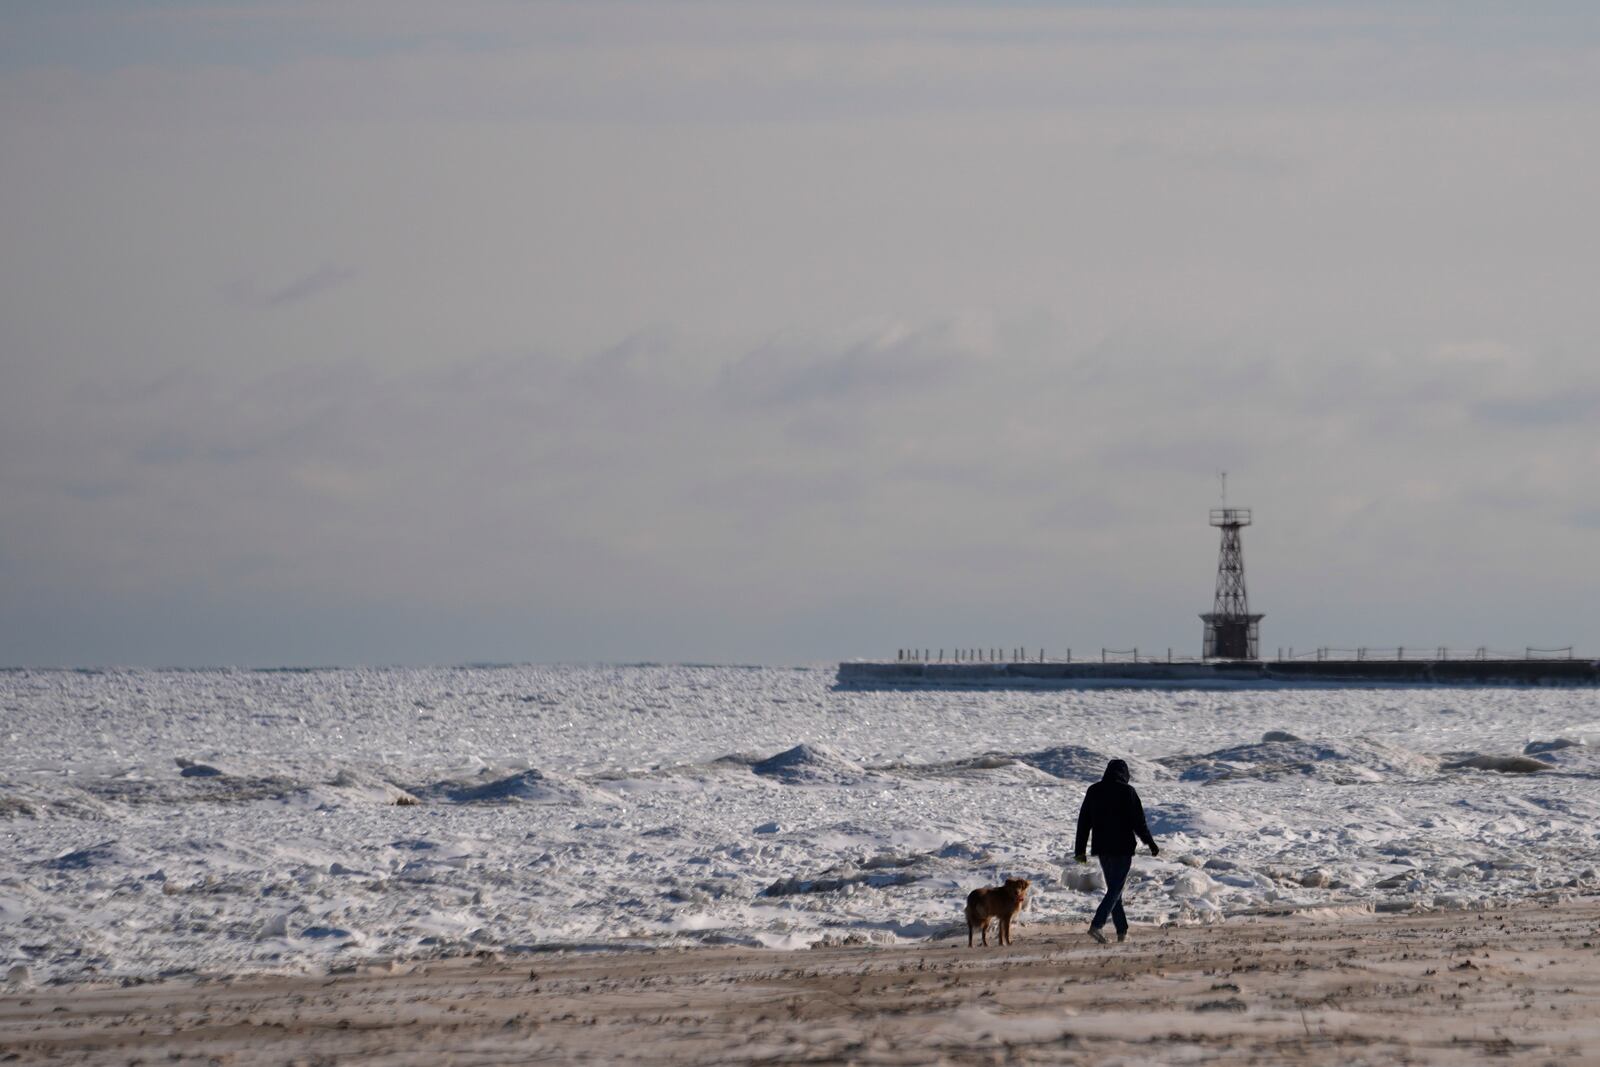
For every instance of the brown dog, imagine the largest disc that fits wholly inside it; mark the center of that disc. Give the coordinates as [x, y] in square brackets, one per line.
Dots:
[1002, 903]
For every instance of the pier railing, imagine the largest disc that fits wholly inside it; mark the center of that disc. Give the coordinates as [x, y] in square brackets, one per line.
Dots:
[1020, 654]
[1423, 653]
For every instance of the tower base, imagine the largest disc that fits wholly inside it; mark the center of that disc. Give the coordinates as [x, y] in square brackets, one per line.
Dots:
[1231, 636]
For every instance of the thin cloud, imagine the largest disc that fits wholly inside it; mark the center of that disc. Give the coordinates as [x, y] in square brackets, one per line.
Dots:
[315, 283]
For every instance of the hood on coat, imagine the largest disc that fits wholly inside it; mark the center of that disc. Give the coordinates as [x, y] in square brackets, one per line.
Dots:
[1116, 771]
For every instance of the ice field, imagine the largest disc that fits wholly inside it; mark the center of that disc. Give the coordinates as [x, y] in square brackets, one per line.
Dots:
[167, 822]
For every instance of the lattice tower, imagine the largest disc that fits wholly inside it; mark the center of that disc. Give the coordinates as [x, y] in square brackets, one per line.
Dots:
[1231, 631]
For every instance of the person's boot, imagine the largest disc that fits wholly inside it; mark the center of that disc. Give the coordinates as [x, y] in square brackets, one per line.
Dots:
[1122, 935]
[1094, 932]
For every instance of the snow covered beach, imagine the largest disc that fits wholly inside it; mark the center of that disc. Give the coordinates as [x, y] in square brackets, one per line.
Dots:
[1505, 986]
[172, 822]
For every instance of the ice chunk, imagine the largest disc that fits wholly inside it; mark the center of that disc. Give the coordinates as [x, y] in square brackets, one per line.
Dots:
[334, 933]
[1539, 748]
[189, 768]
[1565, 752]
[1191, 884]
[1084, 878]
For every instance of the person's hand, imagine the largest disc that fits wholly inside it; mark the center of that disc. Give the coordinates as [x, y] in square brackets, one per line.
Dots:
[1079, 857]
[1154, 851]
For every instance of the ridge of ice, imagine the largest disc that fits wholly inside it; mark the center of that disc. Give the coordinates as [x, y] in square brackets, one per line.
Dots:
[1356, 759]
[607, 789]
[810, 763]
[1078, 764]
[532, 786]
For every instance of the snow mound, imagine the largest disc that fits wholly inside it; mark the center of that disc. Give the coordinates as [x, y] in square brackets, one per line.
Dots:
[356, 785]
[884, 871]
[48, 800]
[1174, 817]
[1279, 735]
[531, 786]
[1503, 764]
[808, 763]
[1079, 764]
[105, 854]
[1351, 760]
[993, 768]
[220, 788]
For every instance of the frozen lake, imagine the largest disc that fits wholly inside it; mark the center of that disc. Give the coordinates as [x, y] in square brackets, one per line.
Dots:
[226, 821]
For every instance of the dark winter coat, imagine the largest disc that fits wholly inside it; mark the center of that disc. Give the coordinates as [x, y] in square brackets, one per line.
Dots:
[1112, 814]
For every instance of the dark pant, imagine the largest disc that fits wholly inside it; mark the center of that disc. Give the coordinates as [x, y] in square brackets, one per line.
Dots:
[1116, 869]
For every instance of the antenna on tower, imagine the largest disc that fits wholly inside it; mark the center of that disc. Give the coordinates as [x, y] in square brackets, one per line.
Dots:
[1222, 476]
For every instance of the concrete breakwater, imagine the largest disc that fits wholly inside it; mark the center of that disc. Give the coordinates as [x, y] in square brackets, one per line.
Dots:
[1221, 674]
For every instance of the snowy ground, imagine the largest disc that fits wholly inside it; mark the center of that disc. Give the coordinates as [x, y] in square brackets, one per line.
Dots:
[167, 822]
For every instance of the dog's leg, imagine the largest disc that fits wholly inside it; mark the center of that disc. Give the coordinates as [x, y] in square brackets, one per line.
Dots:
[969, 933]
[1005, 929]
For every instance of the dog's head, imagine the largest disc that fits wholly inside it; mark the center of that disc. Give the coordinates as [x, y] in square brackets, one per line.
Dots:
[1019, 886]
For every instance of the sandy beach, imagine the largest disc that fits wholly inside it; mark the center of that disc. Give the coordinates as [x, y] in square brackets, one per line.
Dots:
[1515, 985]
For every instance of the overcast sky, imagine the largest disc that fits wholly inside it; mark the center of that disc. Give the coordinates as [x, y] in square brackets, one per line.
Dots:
[394, 332]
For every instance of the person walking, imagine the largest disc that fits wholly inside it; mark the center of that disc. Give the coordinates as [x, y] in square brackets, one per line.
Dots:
[1112, 817]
